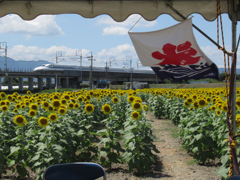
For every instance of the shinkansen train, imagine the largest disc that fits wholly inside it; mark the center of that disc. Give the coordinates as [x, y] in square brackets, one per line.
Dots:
[57, 67]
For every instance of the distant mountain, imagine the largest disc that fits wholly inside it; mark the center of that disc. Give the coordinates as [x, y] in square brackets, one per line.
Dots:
[222, 70]
[21, 64]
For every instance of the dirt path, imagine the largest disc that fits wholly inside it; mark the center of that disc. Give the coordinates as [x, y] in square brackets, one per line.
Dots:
[173, 162]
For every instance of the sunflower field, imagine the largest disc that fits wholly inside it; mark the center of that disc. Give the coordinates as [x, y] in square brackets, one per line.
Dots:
[110, 126]
[103, 126]
[200, 115]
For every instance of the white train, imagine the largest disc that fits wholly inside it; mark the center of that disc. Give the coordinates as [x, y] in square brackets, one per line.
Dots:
[57, 67]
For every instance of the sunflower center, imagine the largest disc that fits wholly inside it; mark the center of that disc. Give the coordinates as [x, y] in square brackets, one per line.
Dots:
[34, 107]
[135, 115]
[19, 120]
[62, 110]
[53, 117]
[43, 121]
[45, 104]
[56, 103]
[32, 113]
[137, 105]
[89, 108]
[201, 102]
[106, 109]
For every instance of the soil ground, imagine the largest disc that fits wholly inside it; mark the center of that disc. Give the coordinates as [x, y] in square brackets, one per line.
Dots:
[173, 162]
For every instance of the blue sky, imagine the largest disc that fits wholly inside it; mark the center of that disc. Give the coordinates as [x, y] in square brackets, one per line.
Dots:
[40, 38]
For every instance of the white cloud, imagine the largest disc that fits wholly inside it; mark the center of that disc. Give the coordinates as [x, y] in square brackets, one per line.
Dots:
[121, 28]
[130, 21]
[115, 30]
[44, 25]
[119, 54]
[31, 53]
[216, 55]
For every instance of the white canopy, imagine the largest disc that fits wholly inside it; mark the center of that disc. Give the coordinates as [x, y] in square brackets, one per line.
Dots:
[119, 10]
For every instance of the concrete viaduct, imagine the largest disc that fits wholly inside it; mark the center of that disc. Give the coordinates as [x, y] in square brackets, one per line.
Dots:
[72, 79]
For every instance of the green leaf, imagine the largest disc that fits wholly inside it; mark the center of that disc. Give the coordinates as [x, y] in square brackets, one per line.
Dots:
[131, 146]
[81, 132]
[35, 158]
[14, 149]
[199, 136]
[57, 147]
[12, 162]
[195, 150]
[37, 164]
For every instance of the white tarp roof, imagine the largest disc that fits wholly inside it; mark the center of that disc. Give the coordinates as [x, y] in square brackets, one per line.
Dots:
[119, 10]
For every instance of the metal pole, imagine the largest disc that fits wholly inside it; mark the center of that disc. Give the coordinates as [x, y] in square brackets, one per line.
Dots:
[90, 76]
[131, 73]
[6, 56]
[234, 29]
[56, 57]
[81, 64]
[106, 72]
[56, 84]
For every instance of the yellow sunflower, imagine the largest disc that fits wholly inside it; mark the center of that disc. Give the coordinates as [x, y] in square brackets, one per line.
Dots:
[20, 120]
[3, 95]
[136, 105]
[15, 110]
[224, 107]
[130, 99]
[62, 111]
[45, 105]
[89, 108]
[56, 103]
[70, 105]
[115, 99]
[50, 109]
[29, 92]
[53, 117]
[80, 98]
[32, 113]
[186, 104]
[18, 106]
[189, 100]
[63, 101]
[213, 108]
[218, 112]
[135, 115]
[202, 103]
[33, 107]
[76, 106]
[43, 122]
[195, 104]
[4, 108]
[106, 108]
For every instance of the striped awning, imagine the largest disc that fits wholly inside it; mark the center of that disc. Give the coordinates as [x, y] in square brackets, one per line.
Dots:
[119, 10]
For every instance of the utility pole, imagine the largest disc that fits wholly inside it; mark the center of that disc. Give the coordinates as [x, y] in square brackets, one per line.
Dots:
[138, 64]
[58, 54]
[107, 72]
[90, 75]
[3, 45]
[129, 58]
[79, 53]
